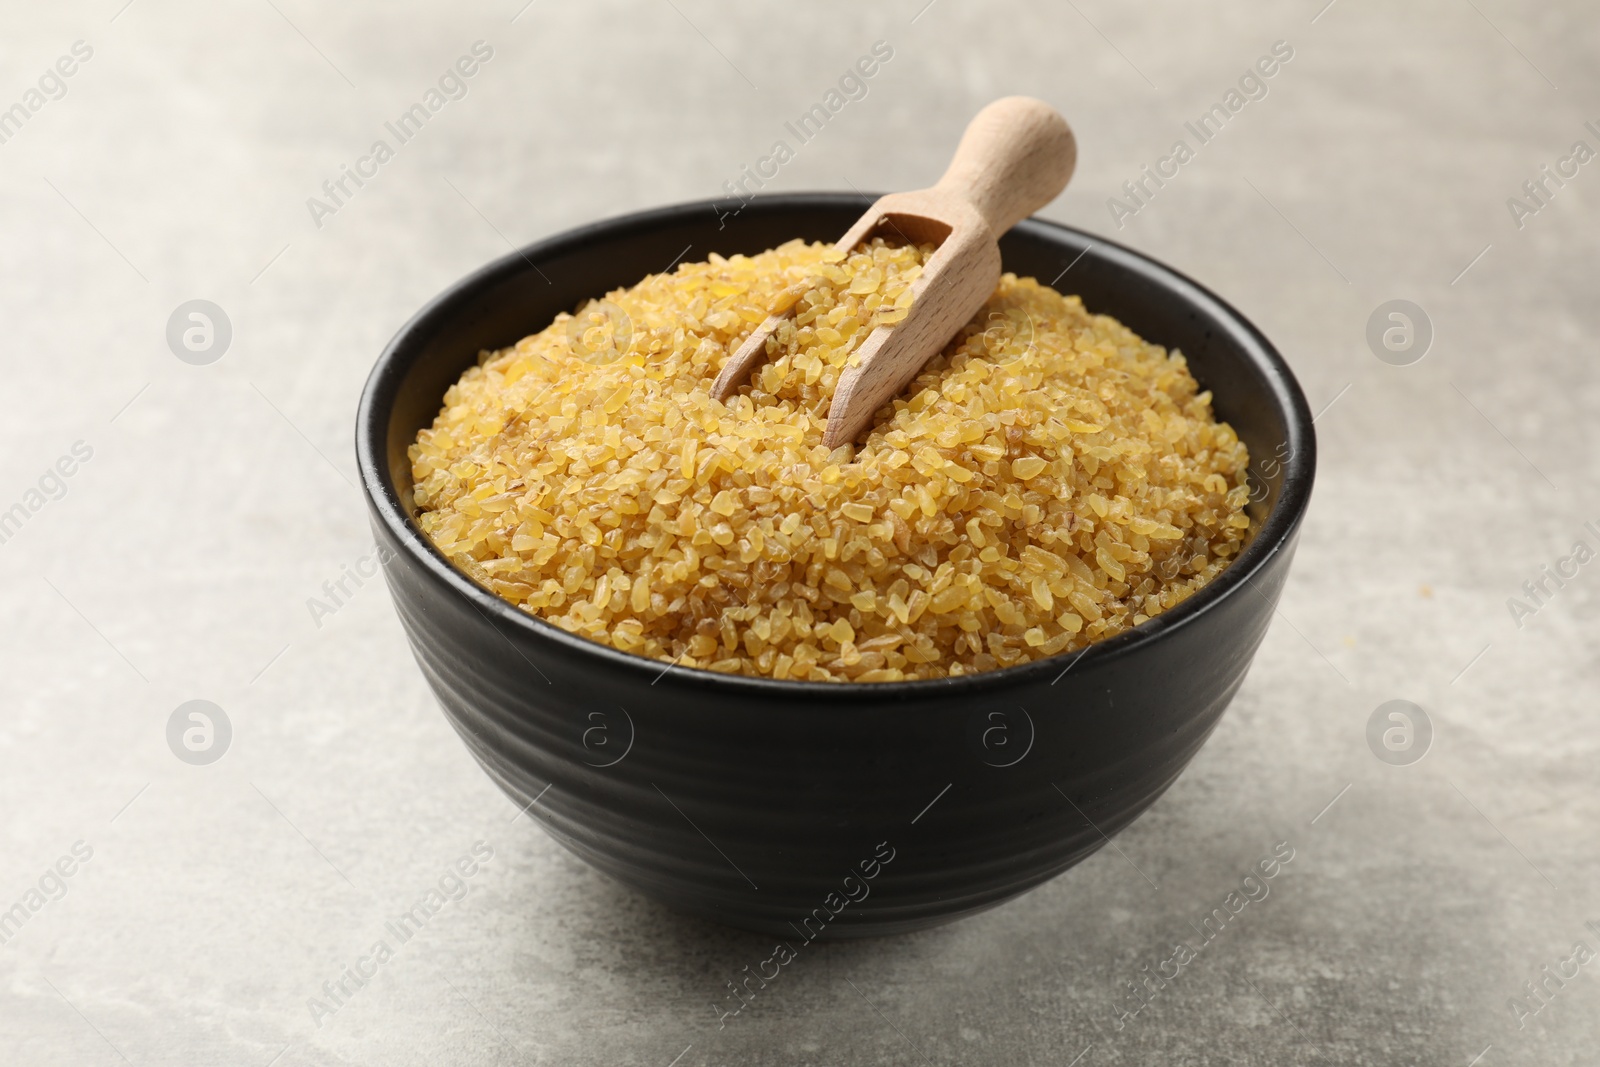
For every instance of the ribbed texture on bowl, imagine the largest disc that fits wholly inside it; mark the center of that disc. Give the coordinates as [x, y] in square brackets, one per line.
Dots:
[750, 801]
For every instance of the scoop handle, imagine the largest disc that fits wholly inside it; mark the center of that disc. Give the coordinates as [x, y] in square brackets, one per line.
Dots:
[1015, 157]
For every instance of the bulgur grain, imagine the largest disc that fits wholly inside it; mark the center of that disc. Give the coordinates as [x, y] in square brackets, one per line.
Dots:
[1048, 481]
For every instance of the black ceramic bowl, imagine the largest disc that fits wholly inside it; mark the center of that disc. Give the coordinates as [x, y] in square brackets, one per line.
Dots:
[808, 809]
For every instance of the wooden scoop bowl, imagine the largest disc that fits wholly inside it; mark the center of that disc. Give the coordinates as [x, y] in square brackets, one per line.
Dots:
[1015, 157]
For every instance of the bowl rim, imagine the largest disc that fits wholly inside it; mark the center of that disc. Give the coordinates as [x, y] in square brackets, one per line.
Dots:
[381, 389]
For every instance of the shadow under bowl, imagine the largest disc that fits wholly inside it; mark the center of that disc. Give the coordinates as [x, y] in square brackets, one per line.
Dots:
[809, 809]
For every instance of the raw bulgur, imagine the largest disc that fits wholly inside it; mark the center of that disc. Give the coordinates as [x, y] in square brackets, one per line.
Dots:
[1048, 481]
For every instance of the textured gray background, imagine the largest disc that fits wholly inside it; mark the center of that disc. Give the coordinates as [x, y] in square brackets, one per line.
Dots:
[219, 499]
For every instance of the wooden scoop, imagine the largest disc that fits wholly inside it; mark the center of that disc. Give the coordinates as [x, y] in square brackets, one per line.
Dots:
[1015, 157]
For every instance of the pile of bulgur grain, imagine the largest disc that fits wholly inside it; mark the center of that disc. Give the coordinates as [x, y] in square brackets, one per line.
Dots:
[1048, 481]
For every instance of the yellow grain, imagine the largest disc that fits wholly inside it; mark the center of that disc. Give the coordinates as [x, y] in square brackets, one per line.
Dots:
[1046, 482]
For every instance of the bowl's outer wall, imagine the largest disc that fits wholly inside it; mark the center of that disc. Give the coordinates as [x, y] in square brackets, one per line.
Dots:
[752, 802]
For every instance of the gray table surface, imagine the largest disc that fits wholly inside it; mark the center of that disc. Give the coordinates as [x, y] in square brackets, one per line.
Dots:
[178, 562]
